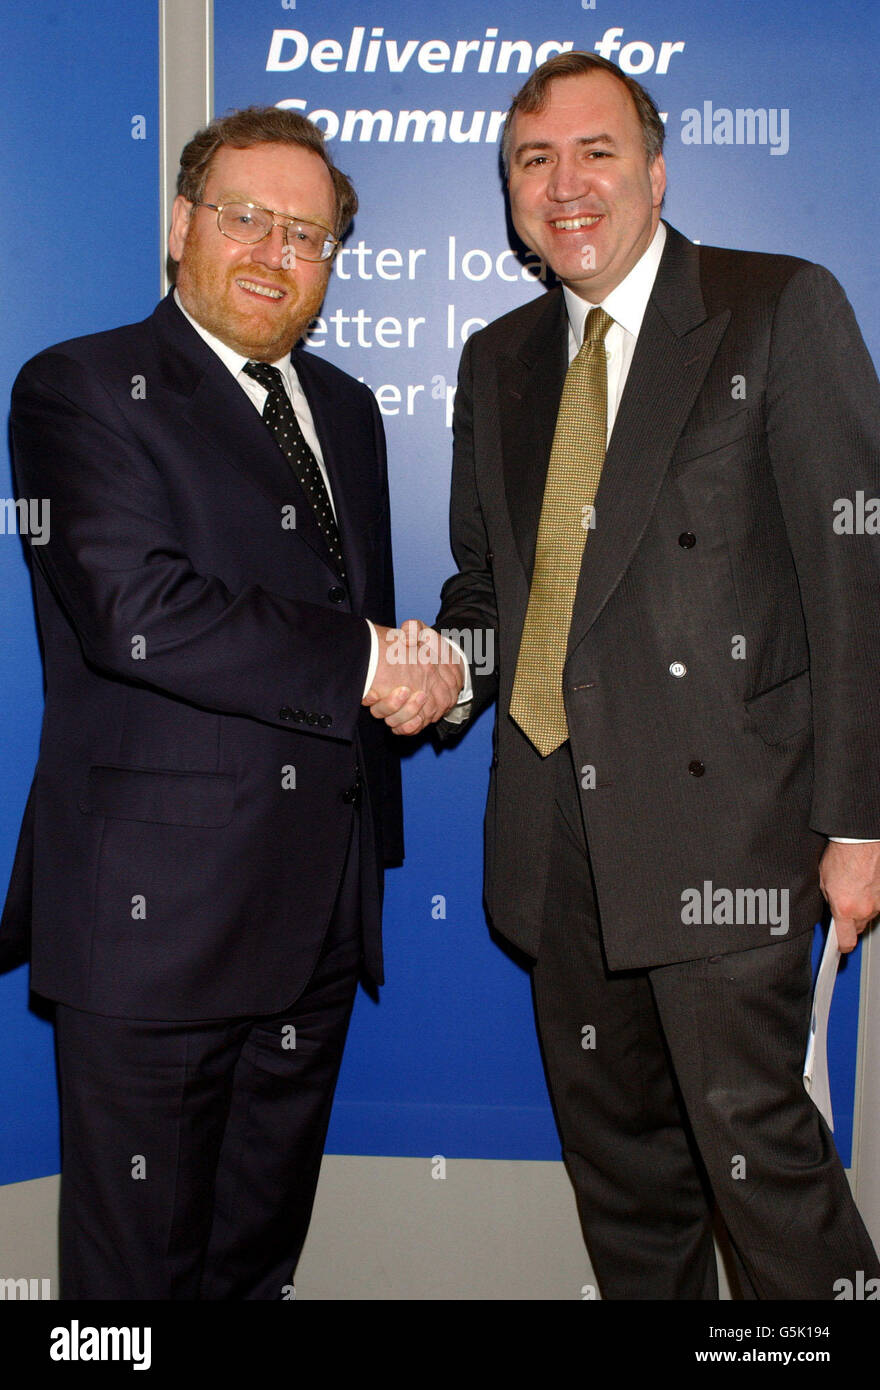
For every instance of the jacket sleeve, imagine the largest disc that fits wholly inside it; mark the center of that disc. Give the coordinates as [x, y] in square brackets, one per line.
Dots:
[391, 808]
[823, 432]
[119, 568]
[469, 610]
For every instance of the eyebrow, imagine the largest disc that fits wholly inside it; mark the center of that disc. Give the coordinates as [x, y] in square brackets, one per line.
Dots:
[233, 197]
[528, 145]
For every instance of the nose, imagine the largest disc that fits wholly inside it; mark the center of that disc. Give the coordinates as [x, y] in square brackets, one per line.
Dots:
[270, 251]
[571, 177]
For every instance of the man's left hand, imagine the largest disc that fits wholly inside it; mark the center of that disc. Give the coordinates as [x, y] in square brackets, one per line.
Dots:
[849, 876]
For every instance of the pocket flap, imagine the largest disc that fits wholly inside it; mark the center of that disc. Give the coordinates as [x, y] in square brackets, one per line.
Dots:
[708, 440]
[784, 710]
[169, 798]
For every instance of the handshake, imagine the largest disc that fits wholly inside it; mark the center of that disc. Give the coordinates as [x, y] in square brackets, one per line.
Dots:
[418, 678]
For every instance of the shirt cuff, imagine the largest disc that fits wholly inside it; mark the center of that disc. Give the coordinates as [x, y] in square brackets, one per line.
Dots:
[374, 655]
[467, 690]
[842, 840]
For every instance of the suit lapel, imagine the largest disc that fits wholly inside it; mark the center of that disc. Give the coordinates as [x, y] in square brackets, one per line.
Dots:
[675, 348]
[530, 385]
[215, 406]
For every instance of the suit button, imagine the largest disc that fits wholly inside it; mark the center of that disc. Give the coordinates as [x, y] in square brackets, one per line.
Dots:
[678, 669]
[352, 794]
[311, 717]
[336, 594]
[325, 721]
[696, 768]
[285, 712]
[490, 556]
[298, 716]
[687, 540]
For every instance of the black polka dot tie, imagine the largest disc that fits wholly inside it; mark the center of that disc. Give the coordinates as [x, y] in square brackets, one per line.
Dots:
[279, 415]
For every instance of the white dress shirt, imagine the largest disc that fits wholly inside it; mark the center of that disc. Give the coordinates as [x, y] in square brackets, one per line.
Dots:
[626, 305]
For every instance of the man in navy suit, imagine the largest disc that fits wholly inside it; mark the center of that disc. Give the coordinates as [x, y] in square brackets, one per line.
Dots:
[201, 860]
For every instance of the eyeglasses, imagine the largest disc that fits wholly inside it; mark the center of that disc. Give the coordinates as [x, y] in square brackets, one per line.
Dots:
[249, 223]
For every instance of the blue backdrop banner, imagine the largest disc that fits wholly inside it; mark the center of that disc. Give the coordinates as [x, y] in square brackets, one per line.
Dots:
[766, 111]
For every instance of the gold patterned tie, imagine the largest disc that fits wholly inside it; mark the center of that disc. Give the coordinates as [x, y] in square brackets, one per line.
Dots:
[573, 473]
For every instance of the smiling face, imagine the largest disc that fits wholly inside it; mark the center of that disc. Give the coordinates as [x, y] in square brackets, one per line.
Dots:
[246, 295]
[582, 192]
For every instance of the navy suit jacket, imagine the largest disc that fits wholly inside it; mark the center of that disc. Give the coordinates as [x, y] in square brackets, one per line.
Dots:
[204, 744]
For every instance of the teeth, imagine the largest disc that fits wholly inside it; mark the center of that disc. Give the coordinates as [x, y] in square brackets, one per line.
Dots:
[261, 289]
[571, 224]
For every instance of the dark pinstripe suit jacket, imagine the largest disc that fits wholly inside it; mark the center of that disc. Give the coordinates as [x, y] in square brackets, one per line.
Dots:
[750, 408]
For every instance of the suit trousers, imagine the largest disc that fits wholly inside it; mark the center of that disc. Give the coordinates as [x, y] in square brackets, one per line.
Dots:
[191, 1150]
[682, 1084]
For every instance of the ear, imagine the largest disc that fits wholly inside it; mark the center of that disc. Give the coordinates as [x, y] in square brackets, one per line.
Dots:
[657, 173]
[181, 213]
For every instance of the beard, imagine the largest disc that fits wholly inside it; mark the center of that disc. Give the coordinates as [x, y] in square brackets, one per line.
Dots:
[258, 327]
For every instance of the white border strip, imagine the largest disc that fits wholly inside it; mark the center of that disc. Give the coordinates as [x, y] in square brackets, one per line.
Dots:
[866, 1113]
[186, 95]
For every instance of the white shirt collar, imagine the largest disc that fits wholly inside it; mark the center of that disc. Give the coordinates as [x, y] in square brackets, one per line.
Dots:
[228, 356]
[628, 301]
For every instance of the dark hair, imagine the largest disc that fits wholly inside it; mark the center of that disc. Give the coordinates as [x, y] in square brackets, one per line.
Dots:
[261, 125]
[533, 96]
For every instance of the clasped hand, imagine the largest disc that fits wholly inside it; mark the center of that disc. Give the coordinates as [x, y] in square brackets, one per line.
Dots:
[418, 678]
